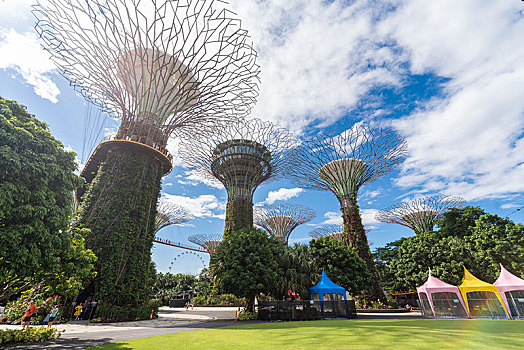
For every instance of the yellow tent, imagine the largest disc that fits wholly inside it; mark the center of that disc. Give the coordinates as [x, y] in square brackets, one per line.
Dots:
[471, 284]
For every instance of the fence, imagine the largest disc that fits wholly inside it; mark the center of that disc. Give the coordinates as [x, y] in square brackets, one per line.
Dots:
[303, 310]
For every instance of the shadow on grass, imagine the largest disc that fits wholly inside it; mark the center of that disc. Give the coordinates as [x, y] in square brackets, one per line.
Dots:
[66, 344]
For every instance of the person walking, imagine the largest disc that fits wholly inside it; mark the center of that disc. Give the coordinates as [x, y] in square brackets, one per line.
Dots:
[78, 311]
[52, 316]
[83, 316]
[29, 312]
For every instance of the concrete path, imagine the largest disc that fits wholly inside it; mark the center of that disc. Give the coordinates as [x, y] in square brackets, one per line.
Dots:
[81, 334]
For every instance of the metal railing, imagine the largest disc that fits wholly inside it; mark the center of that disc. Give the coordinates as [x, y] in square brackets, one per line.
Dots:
[303, 310]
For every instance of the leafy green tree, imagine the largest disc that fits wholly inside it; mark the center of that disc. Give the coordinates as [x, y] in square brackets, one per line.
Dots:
[294, 262]
[245, 264]
[459, 222]
[36, 204]
[341, 264]
[467, 237]
[169, 286]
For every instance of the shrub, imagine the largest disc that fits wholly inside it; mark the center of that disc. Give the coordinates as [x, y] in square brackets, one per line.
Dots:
[244, 315]
[106, 312]
[14, 310]
[221, 299]
[28, 335]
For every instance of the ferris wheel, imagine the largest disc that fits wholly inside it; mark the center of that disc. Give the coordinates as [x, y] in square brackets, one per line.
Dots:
[187, 263]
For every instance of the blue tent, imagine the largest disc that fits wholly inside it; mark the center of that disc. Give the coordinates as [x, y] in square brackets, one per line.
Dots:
[326, 286]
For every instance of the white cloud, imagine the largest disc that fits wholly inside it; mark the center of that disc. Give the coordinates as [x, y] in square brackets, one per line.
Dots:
[470, 141]
[510, 206]
[282, 194]
[367, 215]
[203, 206]
[193, 178]
[318, 58]
[332, 218]
[368, 218]
[23, 54]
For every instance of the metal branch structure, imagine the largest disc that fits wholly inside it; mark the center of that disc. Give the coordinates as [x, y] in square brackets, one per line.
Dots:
[161, 66]
[241, 156]
[209, 242]
[165, 68]
[420, 214]
[279, 220]
[342, 163]
[169, 213]
[335, 231]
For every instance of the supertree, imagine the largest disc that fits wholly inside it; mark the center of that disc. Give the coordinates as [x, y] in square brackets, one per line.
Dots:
[420, 214]
[241, 156]
[335, 231]
[209, 242]
[169, 213]
[342, 163]
[164, 68]
[279, 220]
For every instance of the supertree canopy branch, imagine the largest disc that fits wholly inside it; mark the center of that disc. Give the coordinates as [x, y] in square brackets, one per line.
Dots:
[161, 66]
[333, 231]
[209, 242]
[420, 214]
[164, 68]
[241, 156]
[279, 220]
[342, 163]
[170, 214]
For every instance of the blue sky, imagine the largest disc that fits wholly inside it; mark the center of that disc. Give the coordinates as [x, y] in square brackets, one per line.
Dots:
[447, 75]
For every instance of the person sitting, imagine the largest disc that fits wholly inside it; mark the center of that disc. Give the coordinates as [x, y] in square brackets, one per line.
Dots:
[29, 312]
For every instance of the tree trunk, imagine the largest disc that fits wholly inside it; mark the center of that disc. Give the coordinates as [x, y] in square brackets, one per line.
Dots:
[250, 304]
[239, 215]
[120, 208]
[355, 236]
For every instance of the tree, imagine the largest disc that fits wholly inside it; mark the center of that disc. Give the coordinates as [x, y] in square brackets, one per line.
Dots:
[294, 263]
[36, 204]
[467, 237]
[169, 286]
[245, 264]
[341, 264]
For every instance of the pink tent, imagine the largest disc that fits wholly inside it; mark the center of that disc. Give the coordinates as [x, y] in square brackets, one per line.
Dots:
[511, 287]
[441, 298]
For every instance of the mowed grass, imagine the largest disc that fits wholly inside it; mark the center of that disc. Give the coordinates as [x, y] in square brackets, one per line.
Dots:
[345, 334]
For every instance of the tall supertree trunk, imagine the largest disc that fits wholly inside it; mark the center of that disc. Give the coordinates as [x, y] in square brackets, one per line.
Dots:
[239, 215]
[355, 236]
[120, 208]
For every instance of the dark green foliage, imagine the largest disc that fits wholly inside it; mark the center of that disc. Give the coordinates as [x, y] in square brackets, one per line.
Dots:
[458, 222]
[468, 237]
[120, 207]
[245, 264]
[36, 204]
[28, 335]
[296, 273]
[341, 264]
[169, 286]
[106, 312]
[239, 215]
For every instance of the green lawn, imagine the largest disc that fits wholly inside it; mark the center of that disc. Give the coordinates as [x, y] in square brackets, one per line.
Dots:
[345, 334]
